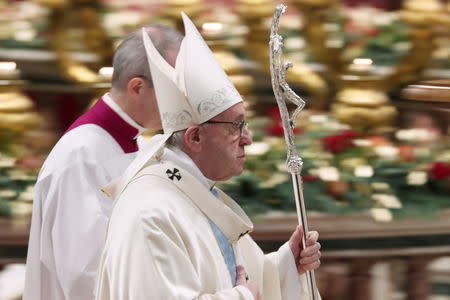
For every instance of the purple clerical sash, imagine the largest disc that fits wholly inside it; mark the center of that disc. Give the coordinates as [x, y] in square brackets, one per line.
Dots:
[102, 115]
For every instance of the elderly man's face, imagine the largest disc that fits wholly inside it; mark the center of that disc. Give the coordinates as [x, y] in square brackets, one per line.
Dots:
[223, 153]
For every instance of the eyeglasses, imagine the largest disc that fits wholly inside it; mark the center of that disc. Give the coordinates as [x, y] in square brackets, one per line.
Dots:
[238, 125]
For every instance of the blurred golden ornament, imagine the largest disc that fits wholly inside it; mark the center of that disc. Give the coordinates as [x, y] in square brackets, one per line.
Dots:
[255, 2]
[8, 71]
[190, 7]
[423, 5]
[228, 61]
[414, 17]
[216, 35]
[303, 75]
[174, 12]
[7, 86]
[257, 14]
[15, 106]
[88, 14]
[39, 139]
[80, 73]
[20, 121]
[77, 28]
[423, 13]
[364, 117]
[53, 3]
[246, 8]
[14, 102]
[442, 17]
[315, 3]
[243, 83]
[363, 101]
[359, 97]
[233, 67]
[182, 3]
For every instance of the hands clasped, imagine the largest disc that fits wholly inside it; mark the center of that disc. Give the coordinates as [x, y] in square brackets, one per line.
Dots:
[305, 259]
[242, 279]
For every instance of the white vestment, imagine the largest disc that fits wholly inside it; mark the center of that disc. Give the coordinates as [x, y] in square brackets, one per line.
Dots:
[160, 244]
[70, 213]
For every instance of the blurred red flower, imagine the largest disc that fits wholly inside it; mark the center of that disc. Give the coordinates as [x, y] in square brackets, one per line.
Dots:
[339, 142]
[309, 178]
[276, 128]
[440, 170]
[274, 113]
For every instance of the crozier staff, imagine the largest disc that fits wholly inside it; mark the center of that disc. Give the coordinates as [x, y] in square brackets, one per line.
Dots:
[294, 163]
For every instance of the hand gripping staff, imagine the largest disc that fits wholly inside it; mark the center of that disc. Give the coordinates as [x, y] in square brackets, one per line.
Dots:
[294, 163]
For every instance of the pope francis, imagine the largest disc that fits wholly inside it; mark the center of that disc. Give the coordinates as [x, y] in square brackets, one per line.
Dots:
[172, 233]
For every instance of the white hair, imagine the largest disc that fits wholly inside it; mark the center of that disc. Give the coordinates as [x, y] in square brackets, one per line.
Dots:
[177, 139]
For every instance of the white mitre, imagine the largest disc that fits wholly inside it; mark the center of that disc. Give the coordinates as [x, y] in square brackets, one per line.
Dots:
[196, 90]
[193, 92]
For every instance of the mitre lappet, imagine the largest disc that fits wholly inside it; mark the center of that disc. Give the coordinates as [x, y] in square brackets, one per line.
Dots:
[191, 93]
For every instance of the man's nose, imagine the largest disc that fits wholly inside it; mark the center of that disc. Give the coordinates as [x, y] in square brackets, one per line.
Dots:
[246, 138]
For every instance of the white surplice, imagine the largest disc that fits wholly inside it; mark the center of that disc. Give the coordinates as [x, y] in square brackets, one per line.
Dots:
[70, 213]
[160, 244]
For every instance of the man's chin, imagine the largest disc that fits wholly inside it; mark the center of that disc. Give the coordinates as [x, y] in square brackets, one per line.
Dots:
[239, 171]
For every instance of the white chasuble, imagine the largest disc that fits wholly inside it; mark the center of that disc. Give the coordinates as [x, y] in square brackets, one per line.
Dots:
[160, 244]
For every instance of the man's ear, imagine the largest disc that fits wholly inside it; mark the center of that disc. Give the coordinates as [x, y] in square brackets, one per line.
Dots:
[193, 138]
[135, 86]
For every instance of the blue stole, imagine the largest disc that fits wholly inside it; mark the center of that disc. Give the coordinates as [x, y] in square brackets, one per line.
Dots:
[226, 248]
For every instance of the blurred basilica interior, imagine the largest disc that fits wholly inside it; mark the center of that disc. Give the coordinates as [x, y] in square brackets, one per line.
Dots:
[374, 136]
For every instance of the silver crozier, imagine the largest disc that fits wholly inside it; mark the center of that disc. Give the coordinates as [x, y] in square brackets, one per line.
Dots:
[284, 93]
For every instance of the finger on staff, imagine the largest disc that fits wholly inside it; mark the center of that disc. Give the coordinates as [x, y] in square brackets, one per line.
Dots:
[309, 258]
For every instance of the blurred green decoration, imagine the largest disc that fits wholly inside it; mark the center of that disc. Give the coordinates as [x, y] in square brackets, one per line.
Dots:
[16, 187]
[7, 137]
[386, 42]
[9, 188]
[389, 46]
[18, 166]
[17, 178]
[346, 172]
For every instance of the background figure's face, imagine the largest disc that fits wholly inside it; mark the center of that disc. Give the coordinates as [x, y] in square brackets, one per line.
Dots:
[149, 109]
[223, 153]
[149, 112]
